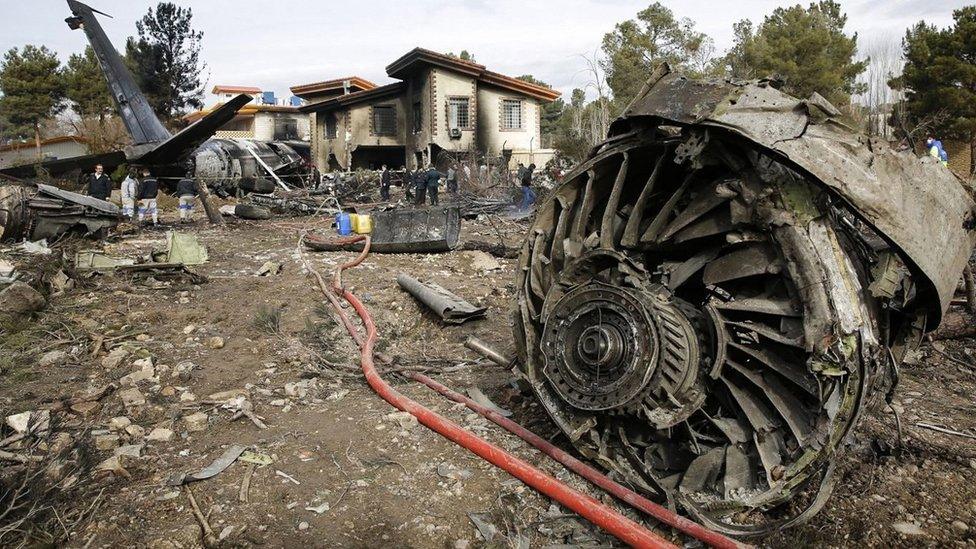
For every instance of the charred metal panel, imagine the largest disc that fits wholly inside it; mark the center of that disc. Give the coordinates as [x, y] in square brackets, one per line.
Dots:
[448, 306]
[404, 231]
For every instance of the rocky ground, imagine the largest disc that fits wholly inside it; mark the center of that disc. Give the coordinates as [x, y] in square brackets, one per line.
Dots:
[331, 464]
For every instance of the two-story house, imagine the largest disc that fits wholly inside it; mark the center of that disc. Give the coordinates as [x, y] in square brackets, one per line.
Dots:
[265, 118]
[440, 103]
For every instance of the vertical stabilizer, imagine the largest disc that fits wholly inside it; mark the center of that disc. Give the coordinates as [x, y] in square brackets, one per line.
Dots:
[138, 116]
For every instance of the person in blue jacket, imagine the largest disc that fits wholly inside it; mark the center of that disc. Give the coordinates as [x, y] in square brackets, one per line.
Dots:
[936, 150]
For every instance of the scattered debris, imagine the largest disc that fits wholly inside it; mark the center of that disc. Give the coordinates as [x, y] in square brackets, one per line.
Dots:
[269, 268]
[196, 421]
[286, 476]
[225, 460]
[182, 249]
[451, 308]
[20, 300]
[482, 399]
[93, 260]
[160, 434]
[256, 458]
[482, 521]
[31, 422]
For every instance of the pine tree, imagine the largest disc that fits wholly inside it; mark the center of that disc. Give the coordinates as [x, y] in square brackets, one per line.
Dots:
[33, 87]
[86, 87]
[636, 46]
[939, 78]
[806, 47]
[165, 60]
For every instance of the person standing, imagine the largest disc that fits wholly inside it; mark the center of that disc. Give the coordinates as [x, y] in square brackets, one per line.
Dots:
[420, 186]
[528, 194]
[433, 181]
[385, 183]
[99, 184]
[188, 190]
[130, 189]
[452, 181]
[148, 191]
[407, 184]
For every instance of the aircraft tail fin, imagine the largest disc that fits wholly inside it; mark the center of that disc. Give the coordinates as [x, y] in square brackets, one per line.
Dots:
[133, 108]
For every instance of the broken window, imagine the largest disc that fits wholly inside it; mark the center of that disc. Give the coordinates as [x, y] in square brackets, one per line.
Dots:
[418, 117]
[384, 120]
[511, 114]
[285, 129]
[331, 126]
[458, 115]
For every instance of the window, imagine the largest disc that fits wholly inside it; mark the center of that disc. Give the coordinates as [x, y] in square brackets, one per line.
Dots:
[384, 120]
[331, 126]
[458, 115]
[511, 114]
[285, 129]
[418, 117]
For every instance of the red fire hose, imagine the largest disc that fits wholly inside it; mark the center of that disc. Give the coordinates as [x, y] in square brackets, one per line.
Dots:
[589, 473]
[620, 526]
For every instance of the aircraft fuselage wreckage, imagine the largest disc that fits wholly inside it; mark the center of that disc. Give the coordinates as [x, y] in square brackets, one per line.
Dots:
[226, 164]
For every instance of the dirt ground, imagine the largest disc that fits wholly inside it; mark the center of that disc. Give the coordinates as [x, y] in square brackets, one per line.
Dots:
[347, 471]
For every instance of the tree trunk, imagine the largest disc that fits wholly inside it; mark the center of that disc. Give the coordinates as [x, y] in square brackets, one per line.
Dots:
[213, 214]
[37, 140]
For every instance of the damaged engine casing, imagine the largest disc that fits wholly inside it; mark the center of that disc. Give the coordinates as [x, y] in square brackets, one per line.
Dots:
[36, 212]
[707, 303]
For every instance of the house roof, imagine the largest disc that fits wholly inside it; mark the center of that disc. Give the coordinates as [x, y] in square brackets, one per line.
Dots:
[413, 59]
[354, 98]
[16, 145]
[334, 84]
[248, 109]
[235, 89]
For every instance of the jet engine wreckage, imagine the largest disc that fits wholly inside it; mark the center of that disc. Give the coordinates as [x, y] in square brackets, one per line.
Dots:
[708, 302]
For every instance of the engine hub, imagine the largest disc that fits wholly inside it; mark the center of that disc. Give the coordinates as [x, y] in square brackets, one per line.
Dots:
[619, 349]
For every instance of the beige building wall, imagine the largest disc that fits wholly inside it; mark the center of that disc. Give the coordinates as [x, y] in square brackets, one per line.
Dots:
[28, 153]
[445, 85]
[491, 137]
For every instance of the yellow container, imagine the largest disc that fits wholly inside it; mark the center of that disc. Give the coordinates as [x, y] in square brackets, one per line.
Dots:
[363, 224]
[353, 221]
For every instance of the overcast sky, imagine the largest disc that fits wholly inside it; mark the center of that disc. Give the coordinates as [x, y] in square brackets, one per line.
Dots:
[277, 44]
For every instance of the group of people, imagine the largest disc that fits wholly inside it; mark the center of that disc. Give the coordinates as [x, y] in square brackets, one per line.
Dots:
[140, 187]
[425, 182]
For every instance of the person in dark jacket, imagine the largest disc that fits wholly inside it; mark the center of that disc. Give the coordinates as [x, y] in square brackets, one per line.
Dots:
[407, 183]
[420, 186]
[99, 184]
[528, 194]
[148, 191]
[385, 183]
[188, 190]
[433, 181]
